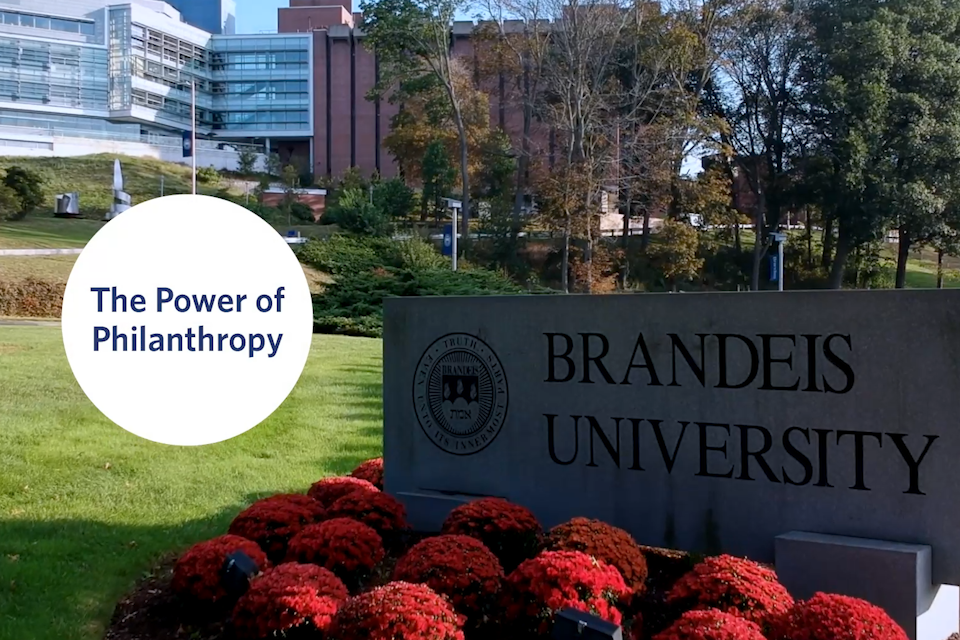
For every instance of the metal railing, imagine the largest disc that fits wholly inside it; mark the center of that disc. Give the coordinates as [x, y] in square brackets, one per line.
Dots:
[155, 139]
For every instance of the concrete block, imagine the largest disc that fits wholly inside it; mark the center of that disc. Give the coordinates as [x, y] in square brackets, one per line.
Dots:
[427, 510]
[891, 575]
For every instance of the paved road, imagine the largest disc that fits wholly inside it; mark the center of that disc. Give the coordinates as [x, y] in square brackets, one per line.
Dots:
[6, 322]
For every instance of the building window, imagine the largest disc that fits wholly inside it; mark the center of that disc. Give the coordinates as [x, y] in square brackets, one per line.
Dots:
[33, 21]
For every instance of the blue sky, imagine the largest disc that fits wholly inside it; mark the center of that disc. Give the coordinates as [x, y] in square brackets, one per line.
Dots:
[254, 16]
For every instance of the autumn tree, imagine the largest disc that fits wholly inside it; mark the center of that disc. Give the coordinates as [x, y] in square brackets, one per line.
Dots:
[412, 41]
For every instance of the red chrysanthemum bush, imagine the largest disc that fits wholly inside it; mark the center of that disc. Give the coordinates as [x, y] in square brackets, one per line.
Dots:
[329, 490]
[733, 585]
[539, 588]
[828, 616]
[379, 511]
[711, 624]
[512, 532]
[394, 611]
[273, 521]
[604, 542]
[197, 573]
[290, 597]
[458, 567]
[371, 471]
[345, 546]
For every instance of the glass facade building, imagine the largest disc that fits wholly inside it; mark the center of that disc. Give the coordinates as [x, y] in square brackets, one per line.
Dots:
[126, 71]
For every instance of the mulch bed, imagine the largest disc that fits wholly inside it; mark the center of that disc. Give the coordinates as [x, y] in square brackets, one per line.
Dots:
[151, 611]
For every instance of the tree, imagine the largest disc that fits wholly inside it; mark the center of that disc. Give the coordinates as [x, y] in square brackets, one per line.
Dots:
[676, 251]
[394, 198]
[247, 160]
[412, 42]
[28, 187]
[10, 204]
[438, 177]
[755, 91]
[275, 165]
[291, 181]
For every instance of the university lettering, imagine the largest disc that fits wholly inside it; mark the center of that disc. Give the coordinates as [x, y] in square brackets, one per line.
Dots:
[741, 452]
[812, 363]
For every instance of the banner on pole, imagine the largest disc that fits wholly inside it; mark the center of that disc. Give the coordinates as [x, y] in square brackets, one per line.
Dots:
[187, 144]
[448, 240]
[774, 268]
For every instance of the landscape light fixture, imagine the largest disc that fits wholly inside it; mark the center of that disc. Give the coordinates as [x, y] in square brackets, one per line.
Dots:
[238, 570]
[572, 624]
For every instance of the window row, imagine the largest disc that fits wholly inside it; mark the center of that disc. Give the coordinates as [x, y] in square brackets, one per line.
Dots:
[268, 86]
[67, 95]
[262, 66]
[168, 76]
[259, 44]
[221, 126]
[166, 105]
[262, 57]
[45, 22]
[263, 117]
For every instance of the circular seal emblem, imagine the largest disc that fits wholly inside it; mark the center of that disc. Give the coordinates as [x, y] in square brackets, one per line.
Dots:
[460, 394]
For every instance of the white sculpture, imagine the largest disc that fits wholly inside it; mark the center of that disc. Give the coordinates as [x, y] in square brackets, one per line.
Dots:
[121, 199]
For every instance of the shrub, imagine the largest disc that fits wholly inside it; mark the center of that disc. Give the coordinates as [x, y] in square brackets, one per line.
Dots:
[458, 567]
[301, 212]
[835, 617]
[290, 596]
[31, 299]
[343, 254]
[394, 611]
[273, 521]
[416, 254]
[539, 588]
[604, 542]
[733, 585]
[711, 624]
[208, 175]
[512, 532]
[10, 204]
[380, 511]
[355, 213]
[28, 187]
[247, 160]
[329, 490]
[349, 548]
[197, 573]
[371, 471]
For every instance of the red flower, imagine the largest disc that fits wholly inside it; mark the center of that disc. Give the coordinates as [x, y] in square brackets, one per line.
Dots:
[349, 548]
[733, 585]
[711, 624]
[380, 511]
[458, 567]
[555, 580]
[289, 596]
[398, 610]
[604, 542]
[197, 573]
[329, 490]
[509, 530]
[371, 471]
[271, 522]
[834, 617]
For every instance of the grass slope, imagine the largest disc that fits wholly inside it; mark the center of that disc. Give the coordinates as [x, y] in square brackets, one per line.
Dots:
[86, 508]
[92, 177]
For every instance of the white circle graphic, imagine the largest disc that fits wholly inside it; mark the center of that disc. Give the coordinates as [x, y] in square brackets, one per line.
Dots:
[187, 320]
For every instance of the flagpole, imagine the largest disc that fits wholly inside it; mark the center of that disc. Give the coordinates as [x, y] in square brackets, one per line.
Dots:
[193, 135]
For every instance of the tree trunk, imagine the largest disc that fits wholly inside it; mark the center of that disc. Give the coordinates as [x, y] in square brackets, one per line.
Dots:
[737, 244]
[827, 258]
[903, 255]
[523, 163]
[626, 219]
[645, 237]
[565, 262]
[939, 268]
[809, 224]
[839, 264]
[757, 252]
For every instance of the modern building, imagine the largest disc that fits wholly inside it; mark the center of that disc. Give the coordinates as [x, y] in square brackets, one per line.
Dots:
[124, 73]
[215, 16]
[89, 76]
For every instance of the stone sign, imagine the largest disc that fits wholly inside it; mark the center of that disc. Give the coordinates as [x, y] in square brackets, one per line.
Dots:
[710, 422]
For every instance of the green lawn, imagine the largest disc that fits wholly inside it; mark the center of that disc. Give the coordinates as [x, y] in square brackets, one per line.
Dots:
[86, 509]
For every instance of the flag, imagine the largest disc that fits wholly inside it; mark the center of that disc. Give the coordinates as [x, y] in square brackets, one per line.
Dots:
[187, 144]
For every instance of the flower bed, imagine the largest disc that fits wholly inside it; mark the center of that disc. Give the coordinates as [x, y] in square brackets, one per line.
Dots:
[454, 585]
